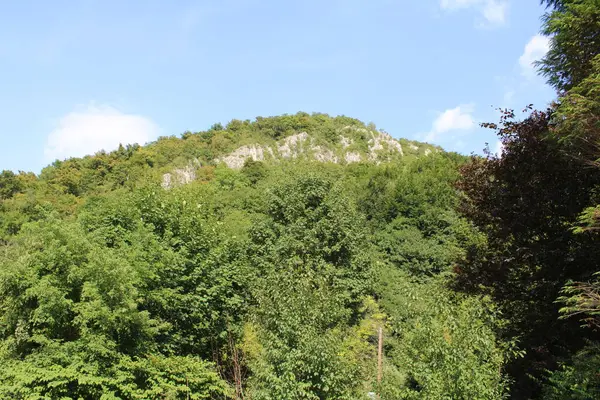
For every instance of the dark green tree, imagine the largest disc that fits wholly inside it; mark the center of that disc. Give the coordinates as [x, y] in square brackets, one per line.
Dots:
[526, 203]
[9, 184]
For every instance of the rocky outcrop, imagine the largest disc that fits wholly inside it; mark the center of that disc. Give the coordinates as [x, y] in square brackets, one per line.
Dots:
[323, 154]
[237, 158]
[291, 146]
[380, 141]
[379, 147]
[180, 176]
[352, 157]
[301, 144]
[345, 142]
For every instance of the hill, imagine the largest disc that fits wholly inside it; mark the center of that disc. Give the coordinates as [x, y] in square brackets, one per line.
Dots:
[315, 257]
[266, 275]
[173, 160]
[316, 137]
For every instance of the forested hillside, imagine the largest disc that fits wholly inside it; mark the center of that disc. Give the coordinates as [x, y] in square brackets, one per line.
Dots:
[267, 281]
[258, 260]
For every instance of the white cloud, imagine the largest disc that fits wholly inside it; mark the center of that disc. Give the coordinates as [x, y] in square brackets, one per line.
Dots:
[535, 49]
[499, 148]
[97, 128]
[455, 119]
[494, 12]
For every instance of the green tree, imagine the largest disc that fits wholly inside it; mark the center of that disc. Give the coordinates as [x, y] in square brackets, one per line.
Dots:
[73, 326]
[311, 250]
[440, 345]
[573, 28]
[9, 184]
[578, 379]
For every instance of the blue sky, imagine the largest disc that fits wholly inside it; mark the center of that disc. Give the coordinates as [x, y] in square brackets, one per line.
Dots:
[78, 76]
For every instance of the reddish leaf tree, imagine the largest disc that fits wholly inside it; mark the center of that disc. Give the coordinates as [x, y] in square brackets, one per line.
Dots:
[526, 202]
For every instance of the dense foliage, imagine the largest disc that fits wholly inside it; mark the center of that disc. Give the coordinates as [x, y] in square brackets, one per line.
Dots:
[573, 26]
[157, 272]
[266, 282]
[537, 205]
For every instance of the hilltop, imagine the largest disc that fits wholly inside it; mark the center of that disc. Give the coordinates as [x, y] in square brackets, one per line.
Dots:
[172, 160]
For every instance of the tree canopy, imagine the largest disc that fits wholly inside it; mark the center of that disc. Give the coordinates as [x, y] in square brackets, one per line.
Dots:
[260, 259]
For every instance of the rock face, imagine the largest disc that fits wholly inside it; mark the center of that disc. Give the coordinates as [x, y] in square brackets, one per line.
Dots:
[380, 141]
[323, 154]
[355, 144]
[291, 146]
[303, 145]
[345, 142]
[180, 176]
[288, 148]
[352, 157]
[236, 159]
